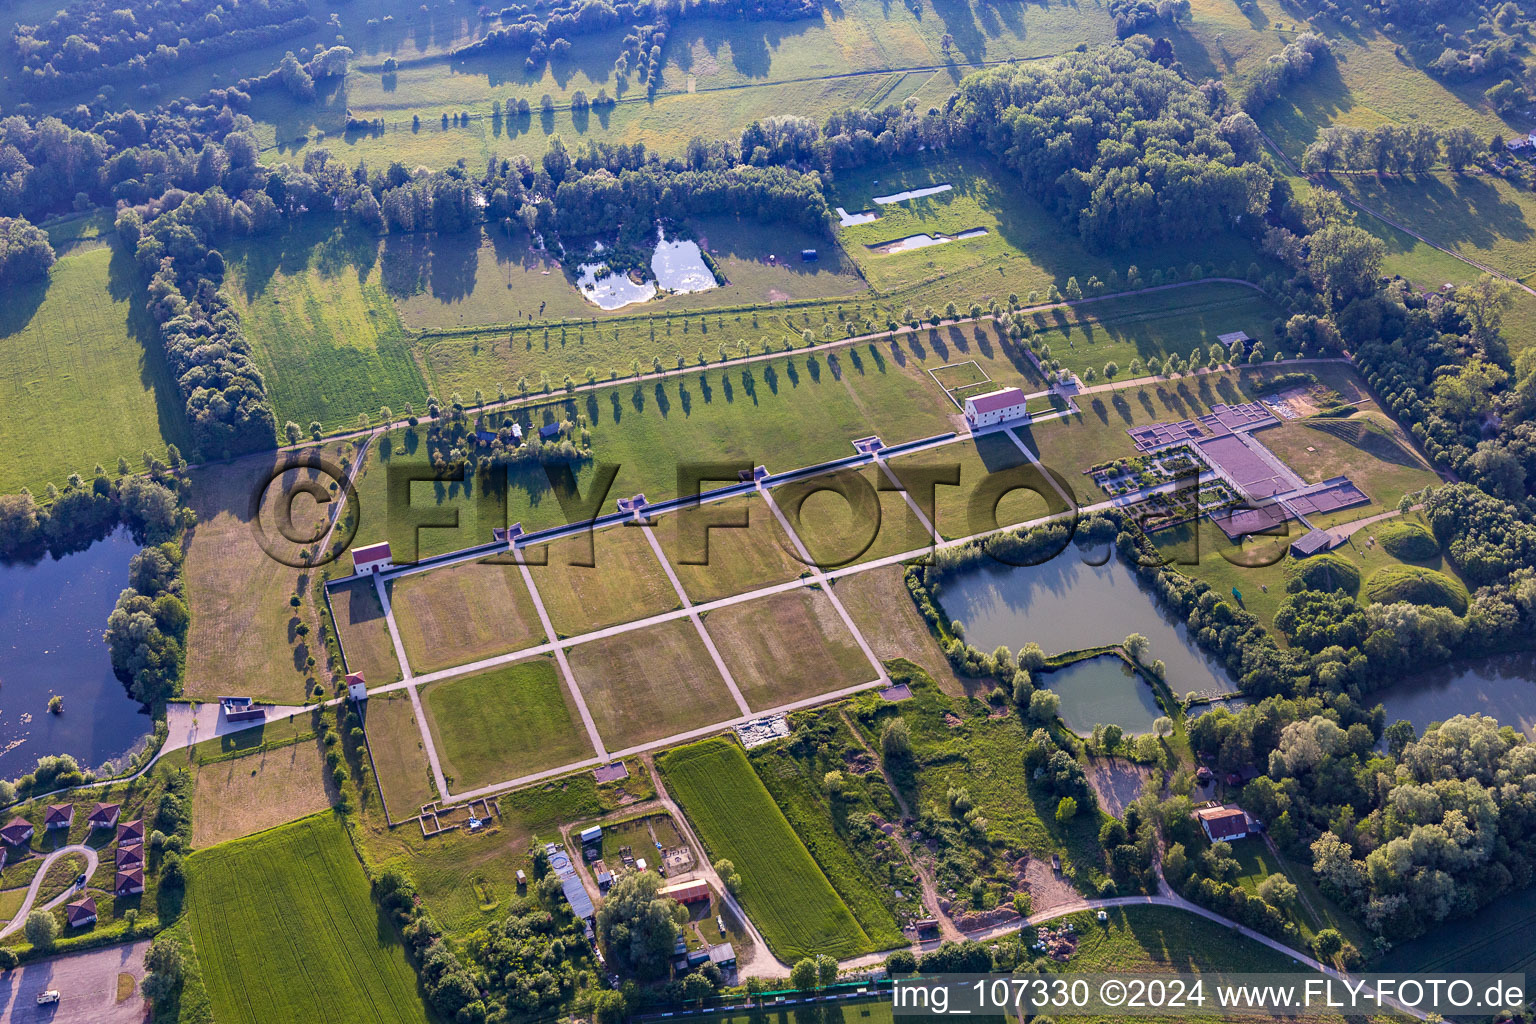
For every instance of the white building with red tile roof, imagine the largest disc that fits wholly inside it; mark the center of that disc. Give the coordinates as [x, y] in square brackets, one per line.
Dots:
[995, 407]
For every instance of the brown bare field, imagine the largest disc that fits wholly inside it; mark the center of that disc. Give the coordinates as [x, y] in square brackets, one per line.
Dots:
[787, 647]
[882, 608]
[463, 613]
[399, 761]
[245, 795]
[647, 684]
[244, 632]
[599, 579]
[365, 632]
[731, 559]
[850, 516]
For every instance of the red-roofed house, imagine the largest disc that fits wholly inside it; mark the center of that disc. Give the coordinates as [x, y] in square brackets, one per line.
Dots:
[104, 815]
[130, 832]
[1228, 822]
[686, 892]
[357, 686]
[995, 407]
[130, 856]
[371, 558]
[57, 816]
[81, 912]
[130, 881]
[17, 832]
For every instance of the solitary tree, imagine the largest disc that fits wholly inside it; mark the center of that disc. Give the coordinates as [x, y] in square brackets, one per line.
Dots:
[41, 929]
[802, 976]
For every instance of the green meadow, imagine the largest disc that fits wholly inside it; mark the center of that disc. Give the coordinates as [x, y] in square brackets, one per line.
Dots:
[82, 376]
[314, 303]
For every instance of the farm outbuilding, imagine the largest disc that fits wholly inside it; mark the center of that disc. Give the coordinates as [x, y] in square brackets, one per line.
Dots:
[371, 558]
[686, 892]
[592, 835]
[995, 407]
[722, 956]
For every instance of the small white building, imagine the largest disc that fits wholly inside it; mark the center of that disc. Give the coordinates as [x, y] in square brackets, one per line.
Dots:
[371, 558]
[357, 686]
[995, 407]
[1516, 143]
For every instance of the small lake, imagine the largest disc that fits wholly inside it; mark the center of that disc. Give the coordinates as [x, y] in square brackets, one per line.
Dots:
[912, 193]
[1102, 691]
[1502, 687]
[612, 291]
[680, 267]
[1068, 605]
[52, 615]
[923, 241]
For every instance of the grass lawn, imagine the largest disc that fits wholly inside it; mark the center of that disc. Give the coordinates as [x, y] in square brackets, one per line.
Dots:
[504, 723]
[1480, 216]
[648, 684]
[314, 305]
[740, 416]
[882, 608]
[328, 956]
[1025, 248]
[850, 516]
[1368, 447]
[365, 632]
[1313, 911]
[727, 559]
[245, 795]
[463, 613]
[83, 379]
[997, 485]
[243, 625]
[399, 759]
[782, 888]
[599, 578]
[787, 647]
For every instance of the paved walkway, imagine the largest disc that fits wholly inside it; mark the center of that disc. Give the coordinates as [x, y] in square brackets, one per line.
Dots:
[698, 623]
[42, 875]
[565, 667]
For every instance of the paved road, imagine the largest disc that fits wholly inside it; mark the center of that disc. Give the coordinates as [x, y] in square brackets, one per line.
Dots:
[37, 883]
[87, 987]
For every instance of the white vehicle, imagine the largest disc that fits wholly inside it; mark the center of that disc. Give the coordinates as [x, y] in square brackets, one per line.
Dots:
[47, 998]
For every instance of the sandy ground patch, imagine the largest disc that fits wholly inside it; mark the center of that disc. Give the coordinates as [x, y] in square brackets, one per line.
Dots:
[245, 795]
[1047, 890]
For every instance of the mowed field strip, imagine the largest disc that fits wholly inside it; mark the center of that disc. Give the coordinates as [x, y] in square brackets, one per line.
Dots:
[288, 930]
[783, 889]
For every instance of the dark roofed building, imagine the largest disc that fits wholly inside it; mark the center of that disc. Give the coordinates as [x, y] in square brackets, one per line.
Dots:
[104, 815]
[130, 856]
[549, 432]
[129, 881]
[16, 832]
[1315, 542]
[129, 832]
[722, 956]
[1227, 822]
[81, 912]
[58, 816]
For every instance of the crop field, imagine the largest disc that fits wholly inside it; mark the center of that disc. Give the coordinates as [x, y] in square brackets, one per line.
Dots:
[365, 632]
[82, 376]
[463, 613]
[245, 795]
[713, 560]
[997, 485]
[599, 578]
[882, 608]
[783, 890]
[647, 684]
[314, 305]
[1026, 248]
[399, 760]
[787, 647]
[249, 631]
[328, 956]
[504, 723]
[851, 516]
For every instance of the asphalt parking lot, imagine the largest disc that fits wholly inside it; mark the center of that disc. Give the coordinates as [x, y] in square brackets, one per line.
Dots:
[87, 987]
